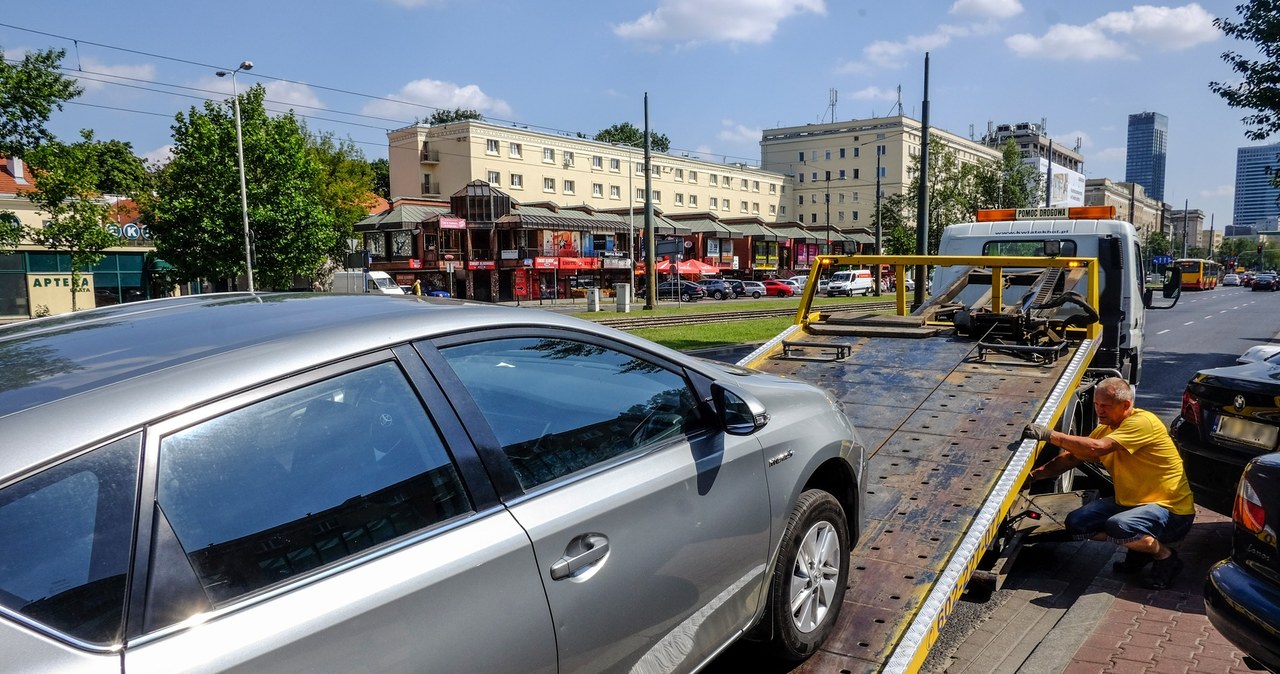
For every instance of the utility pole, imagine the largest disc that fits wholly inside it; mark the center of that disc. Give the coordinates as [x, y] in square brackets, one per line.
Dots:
[922, 199]
[649, 278]
[879, 227]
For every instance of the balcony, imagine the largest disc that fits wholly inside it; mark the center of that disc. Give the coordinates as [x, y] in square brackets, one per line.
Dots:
[430, 156]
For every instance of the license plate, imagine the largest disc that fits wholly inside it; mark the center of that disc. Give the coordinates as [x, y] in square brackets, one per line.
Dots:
[1247, 432]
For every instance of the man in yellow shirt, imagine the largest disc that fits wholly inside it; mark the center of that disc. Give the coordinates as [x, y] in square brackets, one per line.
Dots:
[1152, 505]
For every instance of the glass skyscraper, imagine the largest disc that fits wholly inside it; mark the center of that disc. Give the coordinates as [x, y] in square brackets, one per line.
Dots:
[1255, 202]
[1148, 145]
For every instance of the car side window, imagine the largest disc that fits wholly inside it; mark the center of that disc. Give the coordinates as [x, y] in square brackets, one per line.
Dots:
[305, 479]
[558, 405]
[65, 539]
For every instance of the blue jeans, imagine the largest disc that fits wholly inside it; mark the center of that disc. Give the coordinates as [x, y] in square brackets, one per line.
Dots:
[1125, 524]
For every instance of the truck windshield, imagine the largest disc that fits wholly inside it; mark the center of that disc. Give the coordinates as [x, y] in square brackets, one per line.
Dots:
[1025, 248]
[384, 283]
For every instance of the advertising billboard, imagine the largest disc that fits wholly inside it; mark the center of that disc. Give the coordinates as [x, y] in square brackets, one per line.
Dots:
[1066, 187]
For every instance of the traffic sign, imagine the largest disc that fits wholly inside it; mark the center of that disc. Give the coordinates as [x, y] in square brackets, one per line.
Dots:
[1163, 259]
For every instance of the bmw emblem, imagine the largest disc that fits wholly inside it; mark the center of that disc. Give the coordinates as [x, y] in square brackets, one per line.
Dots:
[1239, 402]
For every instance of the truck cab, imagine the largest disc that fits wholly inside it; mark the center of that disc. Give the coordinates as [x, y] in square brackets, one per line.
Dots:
[351, 282]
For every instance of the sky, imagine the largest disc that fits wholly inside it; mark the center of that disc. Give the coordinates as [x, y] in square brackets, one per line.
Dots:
[717, 72]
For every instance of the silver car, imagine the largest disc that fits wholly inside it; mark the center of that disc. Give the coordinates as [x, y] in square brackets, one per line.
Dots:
[314, 482]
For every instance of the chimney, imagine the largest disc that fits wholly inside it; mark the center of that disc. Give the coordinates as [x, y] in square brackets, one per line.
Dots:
[15, 169]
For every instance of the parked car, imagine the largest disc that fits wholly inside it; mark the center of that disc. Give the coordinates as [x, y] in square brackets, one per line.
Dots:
[684, 291]
[1246, 279]
[849, 282]
[778, 288]
[1264, 282]
[823, 283]
[1242, 593]
[754, 288]
[1231, 280]
[1229, 415]
[1259, 353]
[349, 483]
[736, 286]
[716, 288]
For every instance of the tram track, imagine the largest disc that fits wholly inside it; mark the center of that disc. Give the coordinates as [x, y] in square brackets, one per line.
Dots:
[634, 323]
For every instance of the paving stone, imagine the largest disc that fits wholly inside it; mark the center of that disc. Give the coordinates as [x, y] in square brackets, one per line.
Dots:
[1094, 654]
[1083, 668]
[1145, 640]
[1212, 665]
[1128, 667]
[1170, 666]
[1136, 653]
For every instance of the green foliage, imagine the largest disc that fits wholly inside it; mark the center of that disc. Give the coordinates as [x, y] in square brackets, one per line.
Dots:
[627, 133]
[66, 190]
[29, 93]
[1156, 243]
[1008, 183]
[897, 230]
[196, 215]
[381, 177]
[454, 115]
[1259, 88]
[343, 185]
[10, 232]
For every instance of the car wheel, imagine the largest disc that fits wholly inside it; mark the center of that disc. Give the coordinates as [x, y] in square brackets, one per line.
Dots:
[686, 297]
[719, 295]
[866, 291]
[810, 575]
[755, 295]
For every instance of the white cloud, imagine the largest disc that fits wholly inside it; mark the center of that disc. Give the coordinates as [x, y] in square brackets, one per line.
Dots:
[734, 132]
[1108, 154]
[1218, 192]
[436, 94]
[1167, 28]
[874, 93]
[733, 21]
[1164, 28]
[290, 93]
[97, 74]
[890, 55]
[159, 156]
[987, 9]
[1067, 43]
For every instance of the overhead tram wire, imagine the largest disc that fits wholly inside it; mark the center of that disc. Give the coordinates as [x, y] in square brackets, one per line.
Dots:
[487, 118]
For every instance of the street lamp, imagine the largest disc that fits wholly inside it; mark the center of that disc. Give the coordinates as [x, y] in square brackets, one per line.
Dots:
[244, 198]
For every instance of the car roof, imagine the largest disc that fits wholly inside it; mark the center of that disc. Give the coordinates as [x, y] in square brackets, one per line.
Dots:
[66, 380]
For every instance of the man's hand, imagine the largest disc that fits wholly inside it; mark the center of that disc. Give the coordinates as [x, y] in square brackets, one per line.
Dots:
[1036, 432]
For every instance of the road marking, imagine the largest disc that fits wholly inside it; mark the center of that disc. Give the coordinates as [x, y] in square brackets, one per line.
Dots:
[1188, 322]
[1162, 332]
[1207, 317]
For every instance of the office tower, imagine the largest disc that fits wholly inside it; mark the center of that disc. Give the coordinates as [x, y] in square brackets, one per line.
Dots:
[1255, 202]
[1148, 144]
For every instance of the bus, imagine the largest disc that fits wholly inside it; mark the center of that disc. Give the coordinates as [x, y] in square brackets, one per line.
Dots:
[1198, 274]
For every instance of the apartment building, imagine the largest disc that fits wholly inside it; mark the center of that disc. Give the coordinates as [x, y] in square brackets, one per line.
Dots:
[1131, 202]
[434, 162]
[834, 168]
[1060, 167]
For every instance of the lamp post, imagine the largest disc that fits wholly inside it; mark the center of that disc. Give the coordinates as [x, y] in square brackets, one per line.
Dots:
[244, 198]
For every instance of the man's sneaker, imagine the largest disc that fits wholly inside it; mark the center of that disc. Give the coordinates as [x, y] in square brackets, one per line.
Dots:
[1163, 571]
[1133, 562]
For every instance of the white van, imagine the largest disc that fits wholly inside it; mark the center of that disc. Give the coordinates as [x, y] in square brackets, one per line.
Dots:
[350, 282]
[849, 282]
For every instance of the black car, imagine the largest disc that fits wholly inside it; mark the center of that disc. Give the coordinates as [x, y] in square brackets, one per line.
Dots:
[716, 288]
[736, 286]
[1229, 415]
[1242, 593]
[684, 291]
[1265, 282]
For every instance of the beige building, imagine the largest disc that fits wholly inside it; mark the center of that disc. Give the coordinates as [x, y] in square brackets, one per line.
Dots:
[1131, 202]
[436, 161]
[833, 166]
[1189, 224]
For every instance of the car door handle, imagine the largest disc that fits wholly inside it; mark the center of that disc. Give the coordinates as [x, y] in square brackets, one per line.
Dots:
[583, 551]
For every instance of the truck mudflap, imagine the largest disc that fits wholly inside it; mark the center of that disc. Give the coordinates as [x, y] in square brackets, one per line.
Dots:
[947, 461]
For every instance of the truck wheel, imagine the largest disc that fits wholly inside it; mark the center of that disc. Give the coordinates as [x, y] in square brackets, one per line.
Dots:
[809, 576]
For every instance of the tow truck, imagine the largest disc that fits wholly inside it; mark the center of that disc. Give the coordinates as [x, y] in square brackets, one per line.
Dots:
[1030, 309]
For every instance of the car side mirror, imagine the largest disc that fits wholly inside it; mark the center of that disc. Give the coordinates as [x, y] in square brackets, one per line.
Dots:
[740, 413]
[1171, 289]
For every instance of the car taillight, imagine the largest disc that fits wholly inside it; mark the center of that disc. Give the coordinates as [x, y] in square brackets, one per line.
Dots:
[1247, 511]
[1190, 407]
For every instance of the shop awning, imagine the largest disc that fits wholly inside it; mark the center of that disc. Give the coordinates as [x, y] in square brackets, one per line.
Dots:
[527, 217]
[756, 231]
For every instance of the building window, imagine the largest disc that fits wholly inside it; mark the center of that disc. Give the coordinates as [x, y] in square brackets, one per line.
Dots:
[773, 189]
[724, 205]
[813, 198]
[548, 184]
[679, 199]
[842, 176]
[755, 207]
[855, 174]
[597, 162]
[597, 190]
[853, 215]
[814, 177]
[639, 169]
[491, 146]
[693, 201]
[773, 210]
[840, 216]
[715, 203]
[680, 174]
[655, 170]
[881, 149]
[856, 152]
[693, 177]
[657, 196]
[615, 192]
[840, 198]
[742, 208]
[615, 165]
[813, 218]
[801, 200]
[802, 155]
[782, 212]
[742, 184]
[515, 150]
[517, 181]
[715, 180]
[568, 158]
[548, 155]
[639, 194]
[755, 185]
[495, 178]
[568, 187]
[842, 153]
[855, 196]
[827, 155]
[884, 171]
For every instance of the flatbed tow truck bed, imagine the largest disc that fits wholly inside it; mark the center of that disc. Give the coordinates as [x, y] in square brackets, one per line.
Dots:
[943, 427]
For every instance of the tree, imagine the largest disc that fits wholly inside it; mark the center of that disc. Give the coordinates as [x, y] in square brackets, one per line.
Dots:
[896, 232]
[343, 185]
[454, 115]
[1008, 183]
[381, 177]
[67, 180]
[1259, 88]
[29, 93]
[626, 133]
[196, 214]
[953, 190]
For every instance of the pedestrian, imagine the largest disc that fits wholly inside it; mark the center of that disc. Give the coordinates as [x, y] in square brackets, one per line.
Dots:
[1152, 506]
[417, 287]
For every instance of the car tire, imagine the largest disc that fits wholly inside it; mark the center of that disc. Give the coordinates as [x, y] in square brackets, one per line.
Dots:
[811, 572]
[755, 294]
[686, 297]
[719, 295]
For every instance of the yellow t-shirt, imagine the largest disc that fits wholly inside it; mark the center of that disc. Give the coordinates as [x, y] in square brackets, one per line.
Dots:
[1147, 468]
